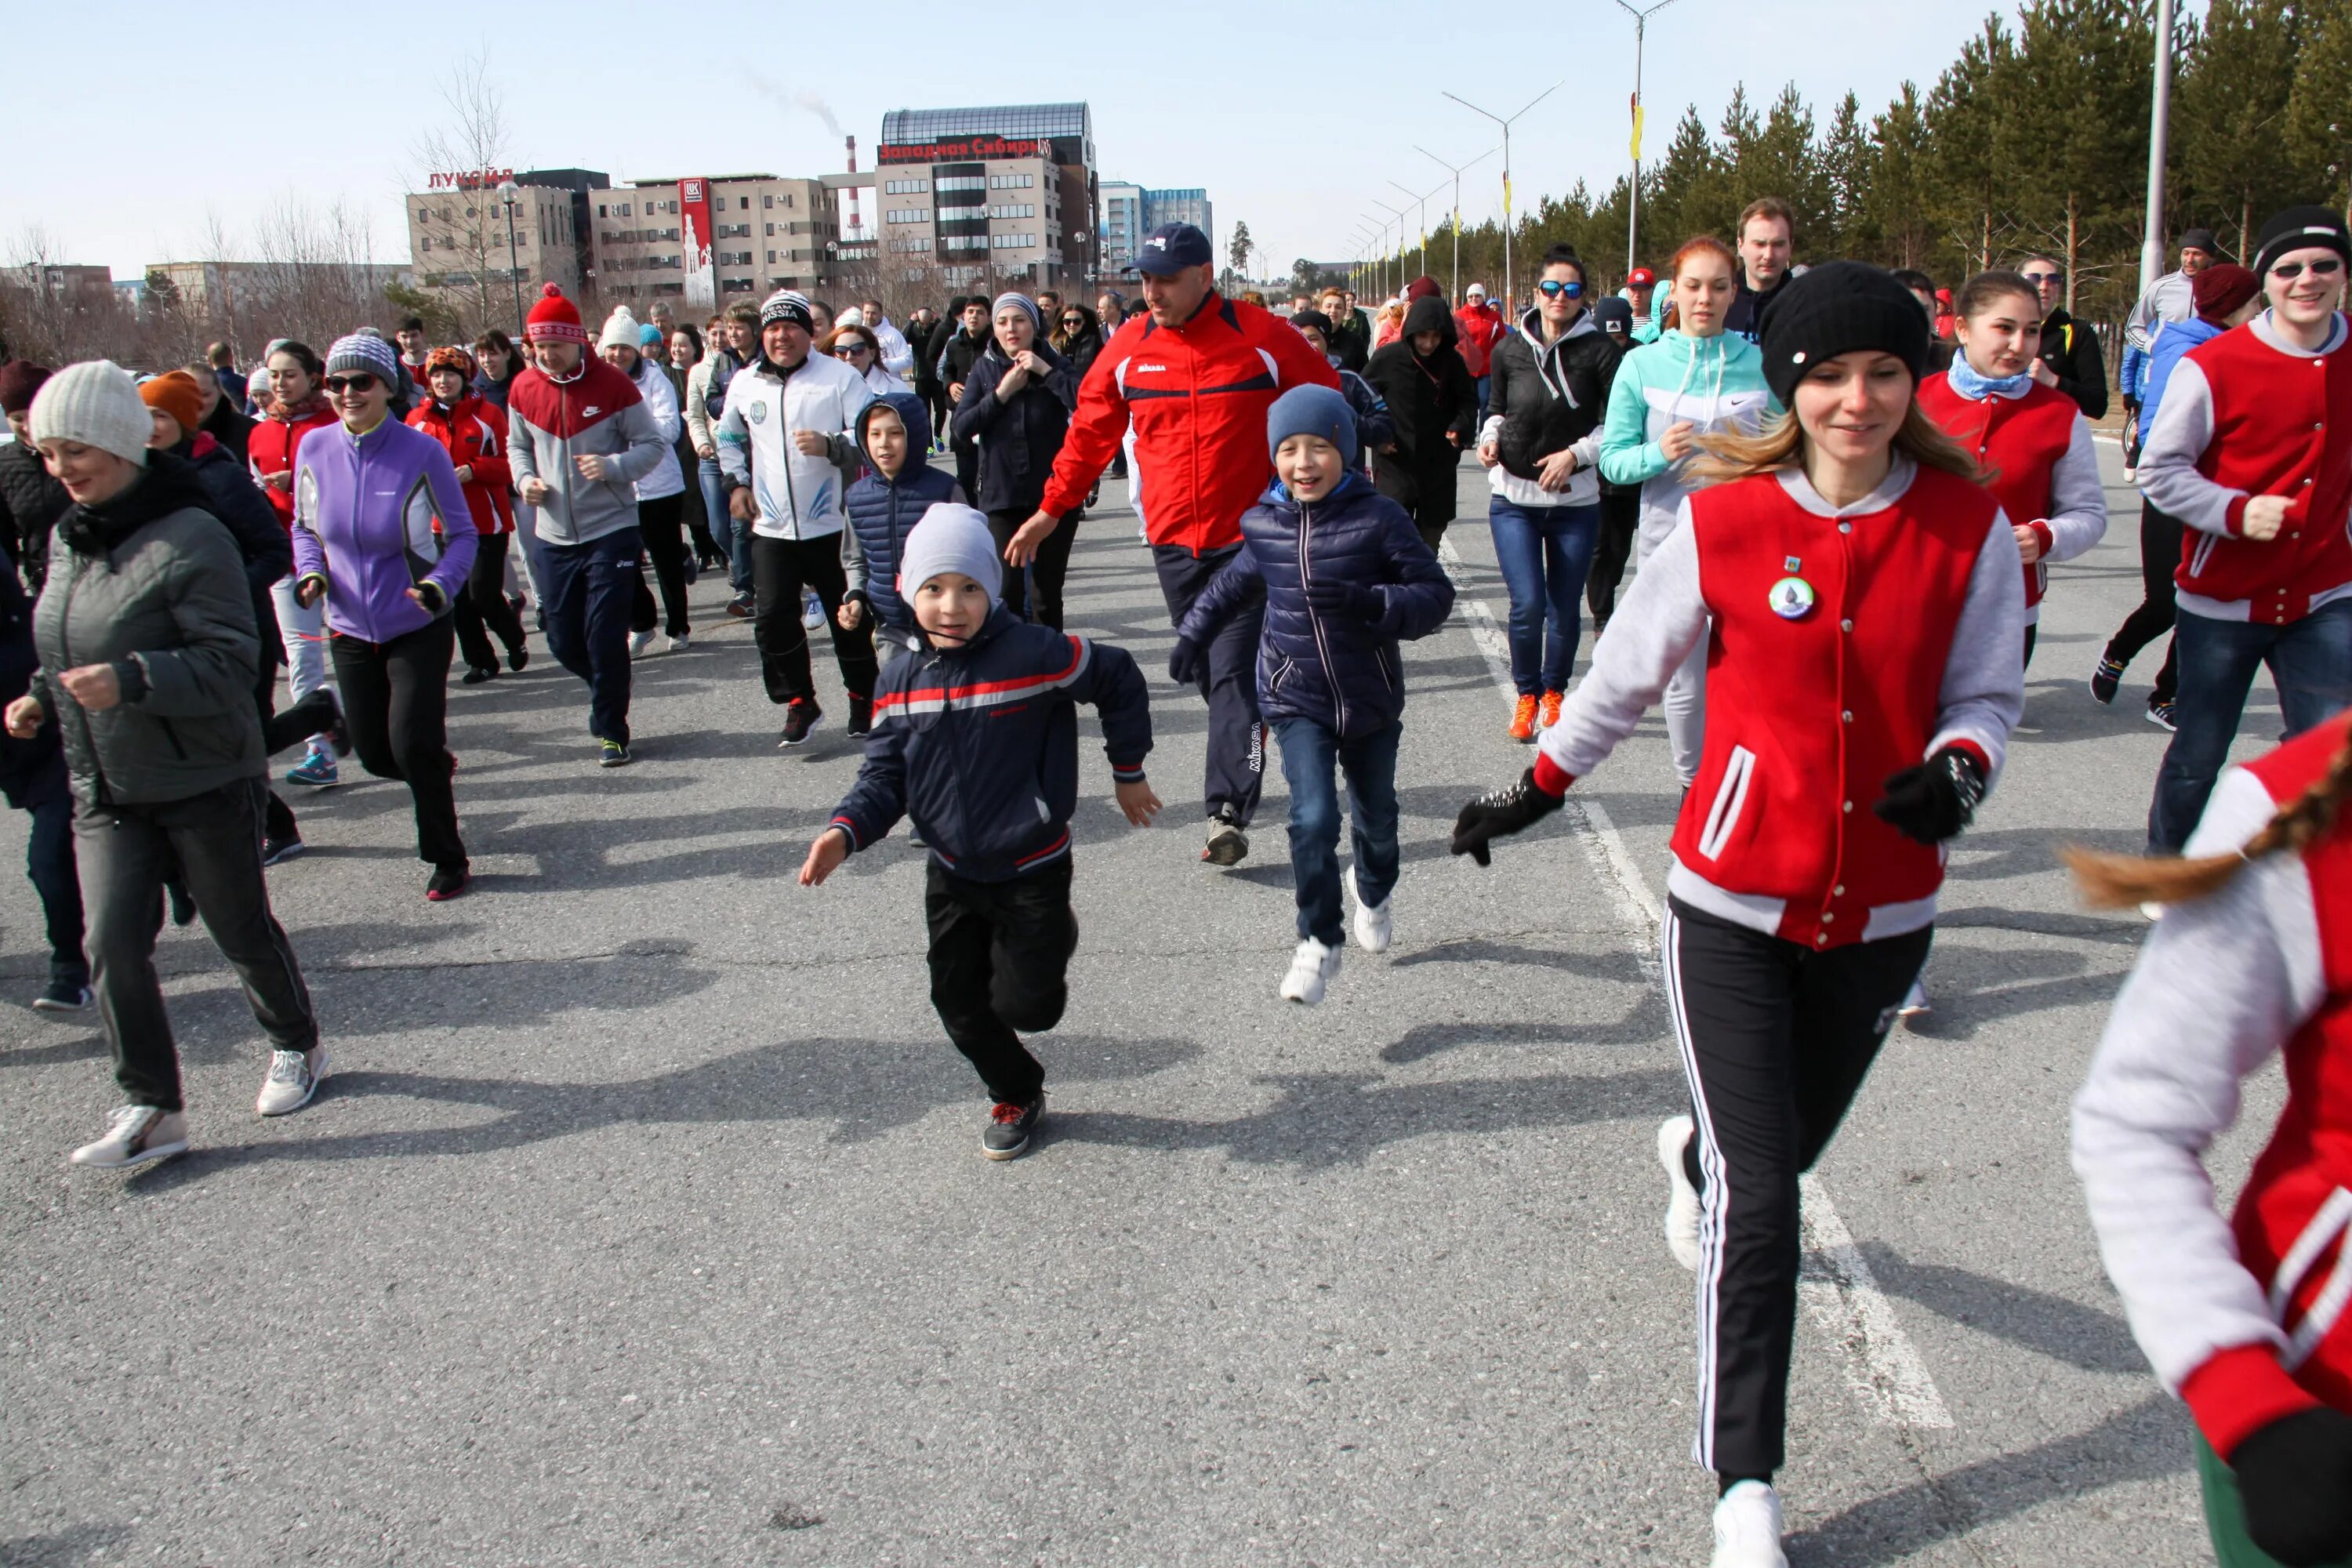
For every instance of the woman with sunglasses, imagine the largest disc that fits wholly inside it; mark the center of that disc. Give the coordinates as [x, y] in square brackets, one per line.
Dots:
[296, 407]
[1017, 401]
[1078, 338]
[1547, 385]
[857, 346]
[2070, 359]
[384, 537]
[2253, 453]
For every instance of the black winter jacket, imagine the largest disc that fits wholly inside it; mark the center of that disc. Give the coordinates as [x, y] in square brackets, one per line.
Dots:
[30, 504]
[956, 352]
[1426, 399]
[1083, 344]
[2070, 348]
[1549, 398]
[261, 540]
[230, 428]
[32, 772]
[980, 745]
[1018, 439]
[1338, 669]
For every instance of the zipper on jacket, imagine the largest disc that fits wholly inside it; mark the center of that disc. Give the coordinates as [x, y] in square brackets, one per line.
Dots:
[1322, 648]
[65, 645]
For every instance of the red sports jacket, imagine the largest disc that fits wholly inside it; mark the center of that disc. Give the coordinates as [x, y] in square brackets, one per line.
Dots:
[1198, 396]
[474, 434]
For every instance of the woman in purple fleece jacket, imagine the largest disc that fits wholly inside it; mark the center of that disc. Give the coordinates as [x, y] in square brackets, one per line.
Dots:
[366, 494]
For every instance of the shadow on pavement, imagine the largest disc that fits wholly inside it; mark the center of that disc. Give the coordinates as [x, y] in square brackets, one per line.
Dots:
[2053, 1326]
[75, 1544]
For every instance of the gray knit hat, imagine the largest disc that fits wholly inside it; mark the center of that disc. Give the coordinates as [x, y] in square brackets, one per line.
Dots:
[94, 404]
[1024, 302]
[369, 355]
[950, 538]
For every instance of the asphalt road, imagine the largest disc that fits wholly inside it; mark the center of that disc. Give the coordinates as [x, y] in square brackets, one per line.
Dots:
[643, 1221]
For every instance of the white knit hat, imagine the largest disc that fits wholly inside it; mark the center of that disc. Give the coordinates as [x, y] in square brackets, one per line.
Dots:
[620, 327]
[94, 404]
[950, 538]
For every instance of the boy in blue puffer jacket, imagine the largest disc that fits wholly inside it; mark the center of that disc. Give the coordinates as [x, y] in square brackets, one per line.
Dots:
[976, 737]
[1346, 577]
[894, 434]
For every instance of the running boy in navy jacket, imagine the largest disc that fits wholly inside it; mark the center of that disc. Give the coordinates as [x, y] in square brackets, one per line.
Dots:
[976, 737]
[1346, 577]
[894, 433]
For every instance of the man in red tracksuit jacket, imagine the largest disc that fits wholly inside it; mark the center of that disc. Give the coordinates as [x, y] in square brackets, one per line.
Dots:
[1196, 376]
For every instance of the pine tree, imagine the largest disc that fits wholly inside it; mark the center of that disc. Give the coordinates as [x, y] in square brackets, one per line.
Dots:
[1969, 183]
[1898, 205]
[1845, 170]
[2230, 117]
[2319, 106]
[1781, 162]
[1676, 205]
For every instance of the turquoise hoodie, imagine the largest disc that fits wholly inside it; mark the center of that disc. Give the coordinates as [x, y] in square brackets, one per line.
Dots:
[1716, 384]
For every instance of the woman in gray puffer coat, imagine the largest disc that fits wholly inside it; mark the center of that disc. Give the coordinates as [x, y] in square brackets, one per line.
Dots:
[148, 649]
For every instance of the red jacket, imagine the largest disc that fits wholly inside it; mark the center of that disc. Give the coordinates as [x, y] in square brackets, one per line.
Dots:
[1197, 395]
[1481, 329]
[2039, 465]
[270, 450]
[474, 434]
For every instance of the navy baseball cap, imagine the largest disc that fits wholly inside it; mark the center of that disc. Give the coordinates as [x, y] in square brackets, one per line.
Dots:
[1171, 248]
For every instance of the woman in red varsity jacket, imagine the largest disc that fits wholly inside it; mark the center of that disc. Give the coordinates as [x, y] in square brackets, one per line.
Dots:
[2243, 1319]
[2030, 440]
[2252, 451]
[1860, 601]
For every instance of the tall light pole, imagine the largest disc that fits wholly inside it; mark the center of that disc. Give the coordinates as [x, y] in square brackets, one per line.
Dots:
[1380, 248]
[1504, 122]
[1457, 169]
[509, 192]
[1633, 196]
[2151, 244]
[1424, 200]
[1399, 215]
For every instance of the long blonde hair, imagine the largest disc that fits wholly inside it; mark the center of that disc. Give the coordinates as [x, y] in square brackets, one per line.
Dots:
[2119, 881]
[1780, 444]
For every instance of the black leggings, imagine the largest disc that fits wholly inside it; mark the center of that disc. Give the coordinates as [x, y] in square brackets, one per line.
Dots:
[1621, 519]
[482, 608]
[1045, 575]
[396, 701]
[662, 521]
[2159, 557]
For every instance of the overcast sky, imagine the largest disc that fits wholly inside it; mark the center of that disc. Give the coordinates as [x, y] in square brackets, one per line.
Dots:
[139, 124]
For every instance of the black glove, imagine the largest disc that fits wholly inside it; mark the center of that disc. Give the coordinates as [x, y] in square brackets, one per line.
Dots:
[1935, 800]
[1184, 662]
[429, 594]
[1346, 599]
[1509, 810]
[2294, 1478]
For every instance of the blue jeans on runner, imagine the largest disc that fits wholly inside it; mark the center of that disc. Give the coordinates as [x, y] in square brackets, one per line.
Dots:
[591, 591]
[2310, 661]
[732, 535]
[1310, 752]
[1545, 553]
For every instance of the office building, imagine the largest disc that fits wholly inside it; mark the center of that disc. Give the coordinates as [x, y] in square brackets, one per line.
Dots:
[1191, 205]
[1123, 227]
[466, 237]
[222, 290]
[989, 195]
[706, 240]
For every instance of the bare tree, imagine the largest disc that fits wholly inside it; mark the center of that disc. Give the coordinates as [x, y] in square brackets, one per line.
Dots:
[469, 141]
[52, 312]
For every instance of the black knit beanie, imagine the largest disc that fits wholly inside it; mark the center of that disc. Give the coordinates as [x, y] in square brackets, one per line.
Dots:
[2301, 228]
[1839, 306]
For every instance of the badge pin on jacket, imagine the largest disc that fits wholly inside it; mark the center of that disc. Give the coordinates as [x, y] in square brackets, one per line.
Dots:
[1792, 598]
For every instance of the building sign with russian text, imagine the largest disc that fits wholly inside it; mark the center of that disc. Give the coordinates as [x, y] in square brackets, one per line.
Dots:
[467, 180]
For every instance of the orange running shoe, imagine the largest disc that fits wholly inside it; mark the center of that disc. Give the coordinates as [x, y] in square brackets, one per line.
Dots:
[1523, 720]
[1549, 713]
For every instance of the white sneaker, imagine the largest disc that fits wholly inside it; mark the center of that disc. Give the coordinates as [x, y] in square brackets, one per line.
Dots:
[1748, 1528]
[1371, 925]
[812, 612]
[134, 1135]
[1312, 967]
[1682, 1202]
[2150, 910]
[640, 644]
[293, 1078]
[1915, 1001]
[674, 645]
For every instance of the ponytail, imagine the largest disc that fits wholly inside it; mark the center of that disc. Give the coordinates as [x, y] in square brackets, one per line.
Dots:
[2118, 881]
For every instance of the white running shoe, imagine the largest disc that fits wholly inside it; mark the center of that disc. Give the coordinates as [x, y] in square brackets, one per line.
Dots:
[293, 1078]
[676, 645]
[134, 1135]
[1748, 1528]
[2150, 910]
[812, 612]
[640, 644]
[1312, 967]
[1682, 1202]
[1914, 1002]
[1371, 925]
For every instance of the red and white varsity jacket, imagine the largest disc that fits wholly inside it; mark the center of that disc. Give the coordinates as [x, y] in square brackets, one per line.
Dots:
[473, 433]
[2244, 1319]
[1847, 644]
[2249, 413]
[2041, 465]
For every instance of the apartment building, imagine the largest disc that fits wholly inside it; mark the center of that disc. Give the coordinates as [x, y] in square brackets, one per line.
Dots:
[708, 239]
[463, 231]
[990, 193]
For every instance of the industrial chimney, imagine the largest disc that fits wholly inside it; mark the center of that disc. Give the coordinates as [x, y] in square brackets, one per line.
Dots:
[856, 226]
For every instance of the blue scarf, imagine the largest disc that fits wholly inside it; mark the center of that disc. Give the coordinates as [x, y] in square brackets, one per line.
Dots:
[1975, 387]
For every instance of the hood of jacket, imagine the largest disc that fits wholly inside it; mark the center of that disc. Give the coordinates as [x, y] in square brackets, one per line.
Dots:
[915, 417]
[1429, 314]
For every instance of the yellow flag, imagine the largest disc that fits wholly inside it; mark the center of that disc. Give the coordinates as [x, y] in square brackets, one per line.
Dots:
[1507, 196]
[1637, 130]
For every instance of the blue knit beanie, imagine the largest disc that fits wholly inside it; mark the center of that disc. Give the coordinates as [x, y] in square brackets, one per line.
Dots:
[950, 538]
[1312, 411]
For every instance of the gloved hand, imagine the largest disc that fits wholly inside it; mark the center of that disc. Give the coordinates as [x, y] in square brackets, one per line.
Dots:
[2294, 1478]
[1935, 800]
[1348, 599]
[429, 594]
[1501, 812]
[1184, 662]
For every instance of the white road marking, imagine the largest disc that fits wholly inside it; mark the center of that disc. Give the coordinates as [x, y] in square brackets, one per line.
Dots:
[1837, 1288]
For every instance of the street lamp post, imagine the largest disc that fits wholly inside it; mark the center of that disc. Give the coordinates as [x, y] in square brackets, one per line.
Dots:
[508, 193]
[1398, 215]
[1504, 122]
[1457, 169]
[1423, 201]
[1633, 196]
[2151, 243]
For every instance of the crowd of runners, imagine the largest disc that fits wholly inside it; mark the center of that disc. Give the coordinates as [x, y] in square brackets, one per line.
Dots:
[1839, 492]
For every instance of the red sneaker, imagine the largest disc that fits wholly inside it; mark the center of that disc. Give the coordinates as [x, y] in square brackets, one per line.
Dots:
[1523, 719]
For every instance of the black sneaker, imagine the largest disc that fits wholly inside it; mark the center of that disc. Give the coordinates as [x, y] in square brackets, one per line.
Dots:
[861, 717]
[801, 715]
[518, 656]
[477, 675]
[63, 996]
[447, 883]
[2160, 715]
[1006, 1136]
[274, 852]
[2106, 679]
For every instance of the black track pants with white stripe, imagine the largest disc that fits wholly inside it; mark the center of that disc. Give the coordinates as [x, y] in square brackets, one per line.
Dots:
[1775, 1039]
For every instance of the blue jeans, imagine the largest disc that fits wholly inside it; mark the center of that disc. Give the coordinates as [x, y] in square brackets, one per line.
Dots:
[1309, 753]
[592, 589]
[2310, 661]
[731, 534]
[1545, 553]
[1484, 382]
